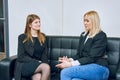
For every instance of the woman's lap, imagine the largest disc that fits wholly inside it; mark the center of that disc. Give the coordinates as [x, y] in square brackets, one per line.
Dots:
[28, 69]
[89, 72]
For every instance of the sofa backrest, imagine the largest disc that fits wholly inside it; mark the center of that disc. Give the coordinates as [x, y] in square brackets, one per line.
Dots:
[59, 46]
[113, 52]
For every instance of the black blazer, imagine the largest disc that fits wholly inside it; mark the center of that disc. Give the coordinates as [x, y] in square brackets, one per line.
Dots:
[25, 54]
[93, 51]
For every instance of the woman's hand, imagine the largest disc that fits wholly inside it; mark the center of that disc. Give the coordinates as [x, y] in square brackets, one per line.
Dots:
[64, 64]
[64, 58]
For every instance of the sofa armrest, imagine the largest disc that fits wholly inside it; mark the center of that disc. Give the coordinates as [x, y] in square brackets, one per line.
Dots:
[7, 68]
[118, 73]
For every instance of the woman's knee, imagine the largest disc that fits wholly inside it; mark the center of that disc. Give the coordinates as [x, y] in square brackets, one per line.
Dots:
[64, 71]
[36, 76]
[43, 67]
[46, 67]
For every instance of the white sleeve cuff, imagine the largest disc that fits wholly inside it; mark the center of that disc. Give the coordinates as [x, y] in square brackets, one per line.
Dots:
[71, 59]
[75, 63]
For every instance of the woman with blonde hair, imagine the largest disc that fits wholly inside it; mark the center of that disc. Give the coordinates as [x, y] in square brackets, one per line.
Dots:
[90, 62]
[32, 61]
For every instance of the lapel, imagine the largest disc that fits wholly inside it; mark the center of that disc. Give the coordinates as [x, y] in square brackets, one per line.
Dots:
[29, 47]
[82, 42]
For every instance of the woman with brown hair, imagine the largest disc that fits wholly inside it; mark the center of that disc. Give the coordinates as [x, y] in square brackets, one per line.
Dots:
[32, 61]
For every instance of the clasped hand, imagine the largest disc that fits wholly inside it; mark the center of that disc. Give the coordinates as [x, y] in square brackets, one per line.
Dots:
[64, 62]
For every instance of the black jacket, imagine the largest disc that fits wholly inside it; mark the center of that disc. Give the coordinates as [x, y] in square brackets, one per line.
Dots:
[93, 51]
[25, 54]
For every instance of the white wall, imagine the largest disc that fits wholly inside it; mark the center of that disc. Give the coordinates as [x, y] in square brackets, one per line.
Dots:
[50, 12]
[61, 17]
[108, 11]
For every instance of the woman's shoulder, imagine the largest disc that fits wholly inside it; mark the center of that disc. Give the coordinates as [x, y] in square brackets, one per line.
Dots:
[21, 36]
[44, 35]
[101, 34]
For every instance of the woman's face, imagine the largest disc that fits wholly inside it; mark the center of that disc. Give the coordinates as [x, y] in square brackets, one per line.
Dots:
[35, 25]
[87, 23]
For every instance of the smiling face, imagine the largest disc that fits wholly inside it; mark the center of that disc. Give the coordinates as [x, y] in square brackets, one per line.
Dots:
[87, 23]
[35, 25]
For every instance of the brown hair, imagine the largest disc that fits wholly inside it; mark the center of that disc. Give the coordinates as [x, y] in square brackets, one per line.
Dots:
[94, 17]
[29, 20]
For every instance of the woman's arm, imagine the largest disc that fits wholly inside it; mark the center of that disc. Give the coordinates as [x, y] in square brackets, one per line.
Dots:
[22, 57]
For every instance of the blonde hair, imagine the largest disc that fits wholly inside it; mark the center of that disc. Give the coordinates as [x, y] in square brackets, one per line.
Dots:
[95, 20]
[29, 20]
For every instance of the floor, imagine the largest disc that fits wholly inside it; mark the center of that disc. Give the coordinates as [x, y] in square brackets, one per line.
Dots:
[2, 55]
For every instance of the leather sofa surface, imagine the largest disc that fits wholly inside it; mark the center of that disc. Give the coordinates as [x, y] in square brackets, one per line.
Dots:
[59, 46]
